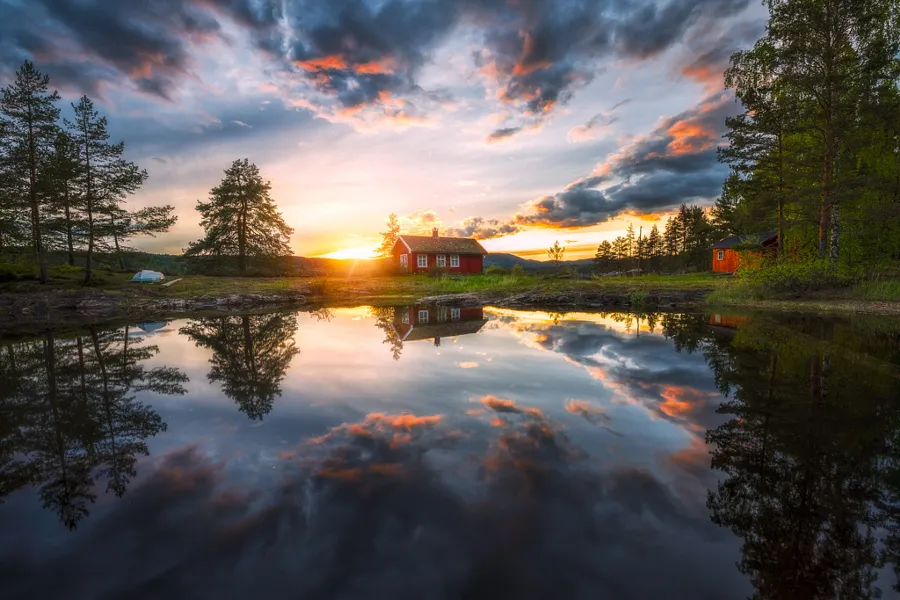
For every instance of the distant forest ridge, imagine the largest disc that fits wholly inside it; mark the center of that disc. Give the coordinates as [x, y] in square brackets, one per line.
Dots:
[176, 264]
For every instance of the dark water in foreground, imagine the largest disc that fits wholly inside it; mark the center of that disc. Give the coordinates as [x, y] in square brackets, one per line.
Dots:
[441, 453]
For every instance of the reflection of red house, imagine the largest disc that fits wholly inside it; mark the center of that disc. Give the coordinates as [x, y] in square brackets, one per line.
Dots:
[423, 322]
[418, 253]
[725, 258]
[729, 321]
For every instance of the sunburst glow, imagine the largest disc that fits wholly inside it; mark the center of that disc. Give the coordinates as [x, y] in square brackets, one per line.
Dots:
[359, 252]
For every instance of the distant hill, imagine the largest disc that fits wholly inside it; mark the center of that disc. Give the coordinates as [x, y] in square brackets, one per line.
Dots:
[508, 261]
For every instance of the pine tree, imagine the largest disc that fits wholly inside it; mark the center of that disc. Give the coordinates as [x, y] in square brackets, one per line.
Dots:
[29, 114]
[555, 253]
[604, 255]
[672, 237]
[105, 179]
[654, 246]
[390, 236]
[61, 189]
[241, 218]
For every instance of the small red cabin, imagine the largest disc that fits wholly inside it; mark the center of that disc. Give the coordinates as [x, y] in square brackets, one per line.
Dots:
[418, 253]
[725, 258]
[423, 322]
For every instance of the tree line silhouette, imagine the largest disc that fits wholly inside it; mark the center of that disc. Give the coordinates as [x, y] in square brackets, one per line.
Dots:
[69, 417]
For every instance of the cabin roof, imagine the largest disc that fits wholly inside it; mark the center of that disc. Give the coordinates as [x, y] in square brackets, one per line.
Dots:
[429, 243]
[753, 239]
[448, 329]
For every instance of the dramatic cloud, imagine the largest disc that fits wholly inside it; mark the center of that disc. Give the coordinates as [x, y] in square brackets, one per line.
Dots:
[359, 53]
[708, 55]
[673, 164]
[483, 229]
[581, 204]
[84, 44]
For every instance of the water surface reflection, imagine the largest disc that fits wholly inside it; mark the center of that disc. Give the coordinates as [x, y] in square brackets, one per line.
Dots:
[440, 453]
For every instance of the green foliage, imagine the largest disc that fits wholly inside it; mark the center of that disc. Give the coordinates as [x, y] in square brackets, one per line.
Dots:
[555, 253]
[778, 278]
[389, 237]
[517, 271]
[438, 272]
[814, 155]
[496, 270]
[241, 219]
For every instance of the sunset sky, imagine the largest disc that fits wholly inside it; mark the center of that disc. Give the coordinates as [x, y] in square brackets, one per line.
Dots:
[519, 122]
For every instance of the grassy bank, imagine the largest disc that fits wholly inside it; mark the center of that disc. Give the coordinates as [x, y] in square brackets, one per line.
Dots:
[868, 296]
[329, 288]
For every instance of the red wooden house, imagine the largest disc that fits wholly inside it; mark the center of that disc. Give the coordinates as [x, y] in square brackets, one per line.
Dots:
[423, 322]
[725, 258]
[418, 253]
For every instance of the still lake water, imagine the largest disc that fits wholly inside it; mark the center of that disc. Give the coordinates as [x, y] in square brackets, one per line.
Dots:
[441, 453]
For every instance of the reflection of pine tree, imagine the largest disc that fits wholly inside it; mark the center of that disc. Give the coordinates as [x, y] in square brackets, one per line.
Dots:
[251, 354]
[384, 319]
[803, 458]
[71, 418]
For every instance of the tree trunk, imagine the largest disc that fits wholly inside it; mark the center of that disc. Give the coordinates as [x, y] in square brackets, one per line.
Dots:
[39, 257]
[69, 244]
[835, 232]
[242, 229]
[826, 199]
[112, 221]
[780, 194]
[89, 194]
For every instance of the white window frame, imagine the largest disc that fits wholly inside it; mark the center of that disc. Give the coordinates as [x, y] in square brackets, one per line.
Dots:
[422, 261]
[423, 316]
[441, 260]
[720, 255]
[404, 261]
[454, 261]
[404, 318]
[442, 315]
[454, 314]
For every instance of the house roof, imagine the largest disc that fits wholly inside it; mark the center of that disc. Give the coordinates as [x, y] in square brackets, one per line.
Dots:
[448, 329]
[752, 239]
[428, 243]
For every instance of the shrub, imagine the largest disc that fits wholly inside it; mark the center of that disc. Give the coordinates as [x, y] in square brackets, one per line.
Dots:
[17, 272]
[797, 277]
[437, 271]
[495, 270]
[517, 271]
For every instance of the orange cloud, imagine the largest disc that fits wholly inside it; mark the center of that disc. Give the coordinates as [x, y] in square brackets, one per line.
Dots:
[680, 401]
[333, 61]
[690, 138]
[403, 422]
[467, 365]
[507, 406]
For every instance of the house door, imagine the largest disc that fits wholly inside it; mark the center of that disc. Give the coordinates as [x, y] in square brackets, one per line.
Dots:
[404, 261]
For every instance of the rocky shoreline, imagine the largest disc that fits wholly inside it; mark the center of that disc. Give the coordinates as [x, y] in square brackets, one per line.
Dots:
[54, 310]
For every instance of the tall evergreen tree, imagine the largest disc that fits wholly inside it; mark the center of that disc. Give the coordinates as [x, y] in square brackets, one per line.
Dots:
[241, 218]
[61, 189]
[29, 114]
[105, 178]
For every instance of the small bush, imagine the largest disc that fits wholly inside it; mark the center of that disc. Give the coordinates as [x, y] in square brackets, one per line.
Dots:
[437, 271]
[495, 270]
[794, 277]
[17, 271]
[517, 271]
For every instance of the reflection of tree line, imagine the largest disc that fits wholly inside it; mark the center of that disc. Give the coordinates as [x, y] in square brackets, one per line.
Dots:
[69, 417]
[810, 452]
[250, 355]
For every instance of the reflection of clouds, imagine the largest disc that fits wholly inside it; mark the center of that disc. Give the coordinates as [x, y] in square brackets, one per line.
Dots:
[365, 512]
[641, 370]
[507, 406]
